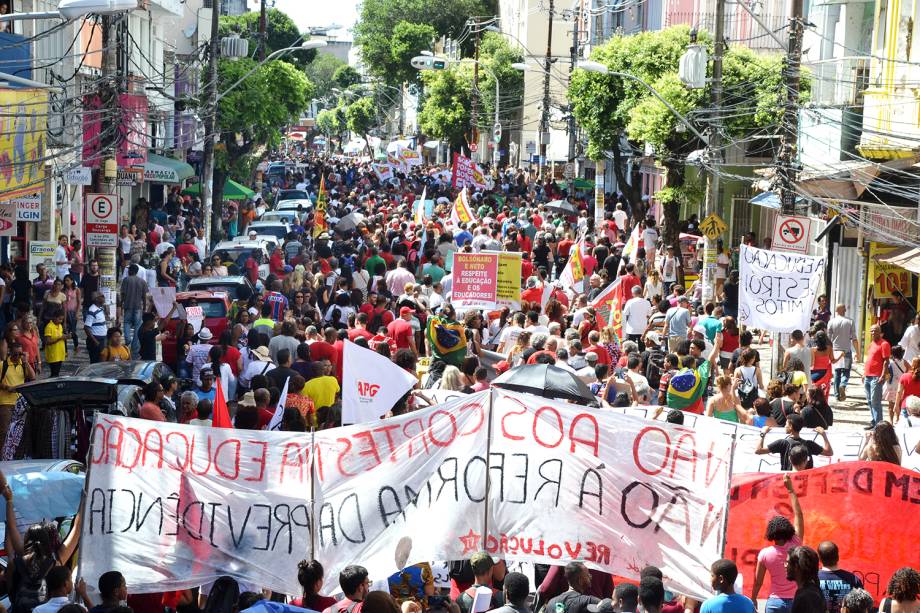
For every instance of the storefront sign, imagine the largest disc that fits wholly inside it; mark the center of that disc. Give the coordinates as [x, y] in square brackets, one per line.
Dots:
[28, 208]
[41, 252]
[7, 219]
[129, 177]
[22, 141]
[889, 280]
[81, 175]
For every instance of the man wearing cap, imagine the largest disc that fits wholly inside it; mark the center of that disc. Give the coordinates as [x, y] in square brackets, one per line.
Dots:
[677, 323]
[259, 364]
[197, 354]
[401, 331]
[482, 564]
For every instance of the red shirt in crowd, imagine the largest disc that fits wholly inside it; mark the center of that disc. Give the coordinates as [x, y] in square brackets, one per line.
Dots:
[876, 354]
[401, 332]
[321, 350]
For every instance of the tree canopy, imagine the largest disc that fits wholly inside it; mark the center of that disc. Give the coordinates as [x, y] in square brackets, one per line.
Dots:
[361, 118]
[384, 45]
[280, 32]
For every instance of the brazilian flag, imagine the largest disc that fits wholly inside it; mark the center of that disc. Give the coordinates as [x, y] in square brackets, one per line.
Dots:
[447, 339]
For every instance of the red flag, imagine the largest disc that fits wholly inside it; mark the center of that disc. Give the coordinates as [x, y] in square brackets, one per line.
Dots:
[609, 306]
[220, 418]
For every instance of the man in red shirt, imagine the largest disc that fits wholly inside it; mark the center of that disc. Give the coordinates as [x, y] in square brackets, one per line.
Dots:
[630, 279]
[360, 329]
[603, 356]
[400, 330]
[325, 349]
[878, 354]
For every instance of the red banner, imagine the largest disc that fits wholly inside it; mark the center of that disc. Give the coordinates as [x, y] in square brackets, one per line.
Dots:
[867, 508]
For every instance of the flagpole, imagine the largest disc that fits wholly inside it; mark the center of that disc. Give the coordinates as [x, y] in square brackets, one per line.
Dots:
[312, 493]
[485, 515]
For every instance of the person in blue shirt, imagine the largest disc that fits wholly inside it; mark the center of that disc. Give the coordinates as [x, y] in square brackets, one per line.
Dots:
[463, 235]
[723, 574]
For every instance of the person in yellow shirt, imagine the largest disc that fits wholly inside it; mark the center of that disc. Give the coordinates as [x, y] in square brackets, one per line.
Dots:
[56, 342]
[14, 371]
[323, 389]
[115, 350]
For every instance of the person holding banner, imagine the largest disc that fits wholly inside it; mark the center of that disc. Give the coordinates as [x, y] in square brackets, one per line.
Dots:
[785, 536]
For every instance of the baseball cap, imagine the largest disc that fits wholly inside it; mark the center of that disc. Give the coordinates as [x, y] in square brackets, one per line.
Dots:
[653, 337]
[604, 606]
[481, 562]
[405, 310]
[502, 367]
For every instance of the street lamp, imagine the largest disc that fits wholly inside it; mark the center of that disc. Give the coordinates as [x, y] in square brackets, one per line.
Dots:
[73, 9]
[308, 44]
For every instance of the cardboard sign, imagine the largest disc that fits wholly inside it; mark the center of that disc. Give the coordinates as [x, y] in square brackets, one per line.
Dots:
[791, 233]
[163, 299]
[778, 290]
[101, 220]
[195, 316]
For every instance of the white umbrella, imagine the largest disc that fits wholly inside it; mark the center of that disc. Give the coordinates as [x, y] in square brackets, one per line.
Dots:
[349, 222]
[161, 249]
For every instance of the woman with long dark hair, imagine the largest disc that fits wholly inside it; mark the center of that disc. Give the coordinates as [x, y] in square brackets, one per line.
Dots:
[882, 445]
[784, 535]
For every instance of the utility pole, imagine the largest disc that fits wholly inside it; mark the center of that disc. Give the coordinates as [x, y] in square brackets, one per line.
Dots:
[108, 149]
[788, 158]
[210, 123]
[474, 115]
[715, 153]
[262, 26]
[544, 118]
[574, 60]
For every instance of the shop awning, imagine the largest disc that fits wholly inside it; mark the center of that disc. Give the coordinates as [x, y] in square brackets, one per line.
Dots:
[160, 169]
[907, 258]
[232, 190]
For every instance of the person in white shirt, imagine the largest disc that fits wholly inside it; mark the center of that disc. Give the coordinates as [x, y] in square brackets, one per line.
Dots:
[649, 239]
[620, 218]
[61, 258]
[201, 244]
[911, 340]
[510, 334]
[58, 586]
[635, 315]
[533, 324]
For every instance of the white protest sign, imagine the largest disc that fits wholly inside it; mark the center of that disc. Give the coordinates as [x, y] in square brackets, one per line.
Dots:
[792, 233]
[163, 299]
[778, 290]
[371, 384]
[174, 506]
[195, 316]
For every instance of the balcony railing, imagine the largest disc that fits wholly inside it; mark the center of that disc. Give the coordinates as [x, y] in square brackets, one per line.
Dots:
[740, 27]
[839, 81]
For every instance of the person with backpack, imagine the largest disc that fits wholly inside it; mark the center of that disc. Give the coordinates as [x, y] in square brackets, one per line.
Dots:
[482, 564]
[33, 555]
[748, 379]
[355, 585]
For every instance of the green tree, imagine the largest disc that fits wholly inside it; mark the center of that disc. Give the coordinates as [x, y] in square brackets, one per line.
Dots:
[330, 123]
[280, 32]
[377, 27]
[496, 55]
[345, 76]
[251, 116]
[610, 107]
[361, 118]
[408, 40]
[322, 73]
[445, 113]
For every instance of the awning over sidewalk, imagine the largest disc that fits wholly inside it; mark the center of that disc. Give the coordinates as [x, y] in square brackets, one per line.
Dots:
[160, 169]
[907, 258]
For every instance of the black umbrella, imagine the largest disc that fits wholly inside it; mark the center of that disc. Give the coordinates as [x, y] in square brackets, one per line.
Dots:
[545, 380]
[563, 206]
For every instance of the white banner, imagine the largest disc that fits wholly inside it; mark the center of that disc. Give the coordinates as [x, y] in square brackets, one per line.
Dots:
[778, 290]
[371, 384]
[565, 483]
[173, 506]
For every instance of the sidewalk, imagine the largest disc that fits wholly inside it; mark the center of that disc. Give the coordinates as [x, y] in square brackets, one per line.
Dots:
[852, 413]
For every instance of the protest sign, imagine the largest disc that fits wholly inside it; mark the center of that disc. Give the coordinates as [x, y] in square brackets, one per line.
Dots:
[487, 280]
[573, 275]
[860, 506]
[371, 384]
[410, 157]
[462, 212]
[778, 290]
[201, 502]
[383, 171]
[467, 173]
[195, 316]
[609, 306]
[163, 299]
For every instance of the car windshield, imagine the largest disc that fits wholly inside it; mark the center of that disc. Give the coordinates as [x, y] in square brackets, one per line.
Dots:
[232, 255]
[210, 308]
[272, 230]
[292, 194]
[233, 290]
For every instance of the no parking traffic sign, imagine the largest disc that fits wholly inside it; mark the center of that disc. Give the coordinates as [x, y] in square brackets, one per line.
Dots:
[101, 220]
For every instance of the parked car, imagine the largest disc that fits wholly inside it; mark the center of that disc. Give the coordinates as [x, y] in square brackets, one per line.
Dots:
[271, 228]
[132, 372]
[237, 287]
[282, 216]
[83, 393]
[234, 253]
[214, 306]
[300, 205]
[291, 194]
[268, 241]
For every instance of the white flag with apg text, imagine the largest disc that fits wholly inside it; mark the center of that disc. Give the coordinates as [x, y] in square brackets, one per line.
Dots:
[778, 289]
[371, 384]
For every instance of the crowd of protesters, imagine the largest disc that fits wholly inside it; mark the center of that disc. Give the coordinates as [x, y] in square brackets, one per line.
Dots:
[383, 281]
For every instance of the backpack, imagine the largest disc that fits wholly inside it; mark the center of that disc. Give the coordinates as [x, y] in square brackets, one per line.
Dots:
[32, 590]
[654, 368]
[747, 393]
